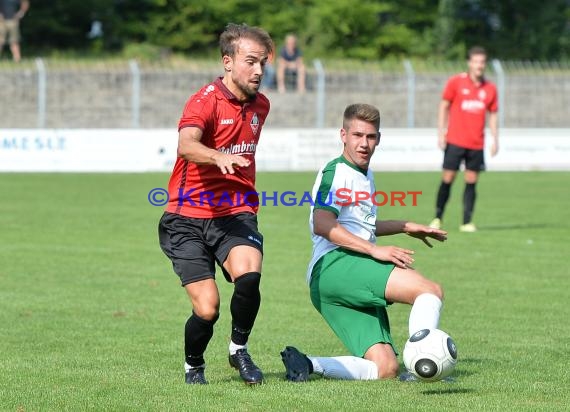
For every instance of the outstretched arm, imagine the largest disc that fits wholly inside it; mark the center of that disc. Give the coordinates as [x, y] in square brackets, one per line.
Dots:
[390, 227]
[422, 232]
[326, 225]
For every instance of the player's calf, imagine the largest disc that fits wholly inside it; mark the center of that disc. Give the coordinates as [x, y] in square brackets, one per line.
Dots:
[244, 306]
[388, 370]
[197, 334]
[425, 312]
[384, 357]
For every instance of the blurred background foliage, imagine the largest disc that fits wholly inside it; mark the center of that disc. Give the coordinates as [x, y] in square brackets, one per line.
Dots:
[366, 30]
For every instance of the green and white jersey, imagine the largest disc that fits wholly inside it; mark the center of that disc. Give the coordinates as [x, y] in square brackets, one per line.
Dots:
[336, 189]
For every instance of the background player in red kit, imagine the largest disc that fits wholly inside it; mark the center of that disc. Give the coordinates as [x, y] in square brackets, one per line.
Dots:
[207, 219]
[461, 131]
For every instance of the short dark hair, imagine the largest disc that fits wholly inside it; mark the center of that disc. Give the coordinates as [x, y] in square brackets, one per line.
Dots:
[234, 32]
[475, 50]
[361, 111]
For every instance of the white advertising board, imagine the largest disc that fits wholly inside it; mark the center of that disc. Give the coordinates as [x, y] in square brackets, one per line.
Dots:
[147, 150]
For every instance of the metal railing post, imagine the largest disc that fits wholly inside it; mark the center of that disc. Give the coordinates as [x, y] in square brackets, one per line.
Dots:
[136, 93]
[411, 80]
[498, 67]
[42, 85]
[321, 94]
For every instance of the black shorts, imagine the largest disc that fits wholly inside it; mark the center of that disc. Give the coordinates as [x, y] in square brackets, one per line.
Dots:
[193, 244]
[454, 155]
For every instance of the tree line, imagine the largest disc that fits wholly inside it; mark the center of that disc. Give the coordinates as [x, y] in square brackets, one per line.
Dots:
[364, 29]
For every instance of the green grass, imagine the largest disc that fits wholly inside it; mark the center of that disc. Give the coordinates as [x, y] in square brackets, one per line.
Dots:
[91, 314]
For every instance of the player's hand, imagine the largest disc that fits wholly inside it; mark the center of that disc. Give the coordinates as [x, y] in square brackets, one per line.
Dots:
[494, 149]
[423, 232]
[441, 141]
[227, 163]
[398, 256]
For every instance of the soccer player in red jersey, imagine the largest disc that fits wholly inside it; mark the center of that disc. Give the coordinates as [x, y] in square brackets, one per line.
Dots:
[211, 215]
[466, 99]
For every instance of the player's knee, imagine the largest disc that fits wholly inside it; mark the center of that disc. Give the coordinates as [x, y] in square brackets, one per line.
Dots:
[428, 287]
[448, 177]
[470, 177]
[388, 369]
[433, 288]
[248, 283]
[207, 310]
[243, 260]
[209, 315]
[437, 290]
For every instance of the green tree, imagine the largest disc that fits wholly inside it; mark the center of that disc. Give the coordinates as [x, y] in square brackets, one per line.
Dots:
[194, 27]
[511, 29]
[528, 29]
[445, 26]
[369, 29]
[63, 24]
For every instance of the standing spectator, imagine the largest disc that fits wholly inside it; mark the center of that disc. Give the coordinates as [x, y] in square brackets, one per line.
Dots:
[11, 12]
[291, 64]
[466, 99]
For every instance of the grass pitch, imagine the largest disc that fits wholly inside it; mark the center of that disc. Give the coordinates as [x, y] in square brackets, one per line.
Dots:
[92, 316]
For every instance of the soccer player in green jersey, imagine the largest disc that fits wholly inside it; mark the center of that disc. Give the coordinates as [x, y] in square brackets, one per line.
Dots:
[351, 278]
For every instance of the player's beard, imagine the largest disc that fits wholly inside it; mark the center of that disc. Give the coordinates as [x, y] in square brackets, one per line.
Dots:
[247, 88]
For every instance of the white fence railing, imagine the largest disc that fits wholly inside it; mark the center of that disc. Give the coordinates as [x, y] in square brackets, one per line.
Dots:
[129, 94]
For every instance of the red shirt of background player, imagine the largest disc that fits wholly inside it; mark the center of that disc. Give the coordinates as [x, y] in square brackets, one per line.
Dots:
[203, 191]
[469, 105]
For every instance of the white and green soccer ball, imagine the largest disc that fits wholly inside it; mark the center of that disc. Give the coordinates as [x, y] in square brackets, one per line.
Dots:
[430, 354]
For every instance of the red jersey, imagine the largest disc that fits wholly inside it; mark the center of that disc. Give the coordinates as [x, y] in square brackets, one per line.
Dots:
[229, 126]
[469, 105]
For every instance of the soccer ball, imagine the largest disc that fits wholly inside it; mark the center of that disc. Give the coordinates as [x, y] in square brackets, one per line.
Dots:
[430, 354]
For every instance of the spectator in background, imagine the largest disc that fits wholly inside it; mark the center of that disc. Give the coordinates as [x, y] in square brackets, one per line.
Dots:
[11, 12]
[268, 79]
[291, 64]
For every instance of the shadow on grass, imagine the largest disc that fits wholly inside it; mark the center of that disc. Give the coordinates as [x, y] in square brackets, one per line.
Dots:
[449, 391]
[516, 226]
[472, 360]
[461, 373]
[267, 377]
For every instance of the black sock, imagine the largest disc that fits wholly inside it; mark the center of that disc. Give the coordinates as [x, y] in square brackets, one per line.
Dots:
[469, 196]
[442, 197]
[244, 306]
[197, 334]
